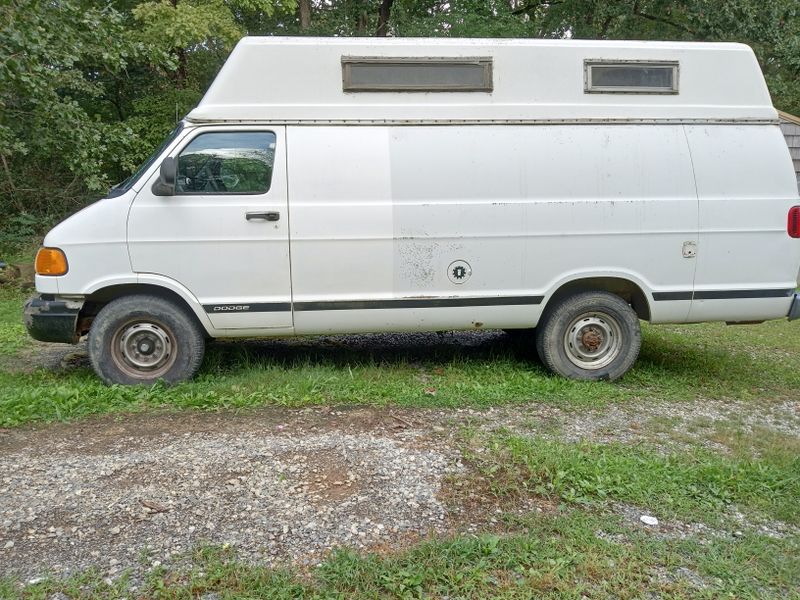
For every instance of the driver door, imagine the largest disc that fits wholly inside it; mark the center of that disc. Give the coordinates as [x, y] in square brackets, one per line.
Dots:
[224, 234]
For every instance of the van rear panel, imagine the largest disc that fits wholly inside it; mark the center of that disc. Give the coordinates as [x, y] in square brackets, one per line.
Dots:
[747, 265]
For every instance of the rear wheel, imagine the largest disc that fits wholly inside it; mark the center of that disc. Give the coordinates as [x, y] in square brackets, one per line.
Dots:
[591, 335]
[138, 340]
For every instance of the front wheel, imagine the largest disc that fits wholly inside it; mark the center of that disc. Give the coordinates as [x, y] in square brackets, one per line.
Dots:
[141, 339]
[590, 336]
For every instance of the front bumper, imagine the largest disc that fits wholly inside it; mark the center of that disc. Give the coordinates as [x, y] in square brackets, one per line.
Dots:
[794, 309]
[51, 320]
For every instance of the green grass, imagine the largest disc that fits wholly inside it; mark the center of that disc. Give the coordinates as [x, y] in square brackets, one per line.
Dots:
[676, 363]
[12, 332]
[762, 477]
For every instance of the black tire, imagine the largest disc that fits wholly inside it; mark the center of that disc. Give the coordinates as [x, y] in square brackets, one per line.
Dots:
[589, 336]
[141, 339]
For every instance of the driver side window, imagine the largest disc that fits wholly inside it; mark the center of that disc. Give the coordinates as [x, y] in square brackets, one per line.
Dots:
[227, 162]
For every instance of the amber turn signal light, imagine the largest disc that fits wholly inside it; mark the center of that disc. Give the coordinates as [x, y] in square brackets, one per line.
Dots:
[51, 261]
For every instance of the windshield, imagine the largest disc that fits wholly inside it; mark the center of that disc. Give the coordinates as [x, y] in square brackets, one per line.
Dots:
[123, 187]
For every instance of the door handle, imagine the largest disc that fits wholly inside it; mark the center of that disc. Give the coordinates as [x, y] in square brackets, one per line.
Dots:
[263, 216]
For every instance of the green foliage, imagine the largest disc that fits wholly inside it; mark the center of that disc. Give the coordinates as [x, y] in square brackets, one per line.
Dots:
[55, 146]
[462, 18]
[177, 28]
[18, 230]
[87, 90]
[152, 116]
[46, 89]
[182, 25]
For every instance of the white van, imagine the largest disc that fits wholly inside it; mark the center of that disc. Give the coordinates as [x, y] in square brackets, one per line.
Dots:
[360, 185]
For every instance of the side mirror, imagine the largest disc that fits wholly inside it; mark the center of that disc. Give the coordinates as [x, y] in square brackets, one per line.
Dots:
[165, 186]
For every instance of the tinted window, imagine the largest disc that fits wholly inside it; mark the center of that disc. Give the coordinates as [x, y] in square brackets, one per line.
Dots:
[417, 74]
[642, 77]
[227, 163]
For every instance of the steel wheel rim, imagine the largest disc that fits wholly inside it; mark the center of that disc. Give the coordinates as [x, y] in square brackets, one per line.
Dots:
[593, 340]
[143, 349]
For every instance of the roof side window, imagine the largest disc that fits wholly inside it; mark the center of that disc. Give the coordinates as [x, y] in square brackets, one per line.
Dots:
[631, 77]
[416, 74]
[227, 162]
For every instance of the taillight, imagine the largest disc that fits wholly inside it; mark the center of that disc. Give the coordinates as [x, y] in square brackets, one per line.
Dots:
[793, 224]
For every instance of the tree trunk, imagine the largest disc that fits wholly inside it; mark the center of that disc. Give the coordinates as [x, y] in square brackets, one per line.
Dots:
[384, 13]
[361, 24]
[305, 13]
[181, 71]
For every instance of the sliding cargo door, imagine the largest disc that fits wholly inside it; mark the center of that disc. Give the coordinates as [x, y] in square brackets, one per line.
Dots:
[404, 228]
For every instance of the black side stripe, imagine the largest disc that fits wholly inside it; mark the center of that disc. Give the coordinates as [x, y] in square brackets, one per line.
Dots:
[222, 309]
[716, 295]
[243, 307]
[461, 302]
[658, 296]
[723, 294]
[417, 303]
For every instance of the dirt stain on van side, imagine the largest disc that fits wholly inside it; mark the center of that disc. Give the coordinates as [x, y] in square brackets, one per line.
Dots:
[414, 262]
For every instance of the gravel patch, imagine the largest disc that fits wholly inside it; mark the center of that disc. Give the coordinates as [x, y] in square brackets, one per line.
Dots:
[287, 486]
[274, 498]
[667, 426]
[681, 575]
[733, 524]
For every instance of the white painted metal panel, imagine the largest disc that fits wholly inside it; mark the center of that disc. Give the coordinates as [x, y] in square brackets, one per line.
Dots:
[746, 187]
[300, 79]
[379, 213]
[341, 213]
[205, 243]
[93, 240]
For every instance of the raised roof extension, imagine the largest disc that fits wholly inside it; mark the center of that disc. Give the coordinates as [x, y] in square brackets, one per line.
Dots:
[299, 80]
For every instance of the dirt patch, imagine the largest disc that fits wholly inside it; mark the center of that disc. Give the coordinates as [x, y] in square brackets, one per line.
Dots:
[101, 434]
[329, 478]
[40, 355]
[475, 506]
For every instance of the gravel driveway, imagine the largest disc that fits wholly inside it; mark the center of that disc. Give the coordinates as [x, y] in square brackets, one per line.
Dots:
[277, 485]
[281, 486]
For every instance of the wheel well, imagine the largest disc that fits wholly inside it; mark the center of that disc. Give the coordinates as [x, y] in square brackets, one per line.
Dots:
[98, 299]
[625, 289]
